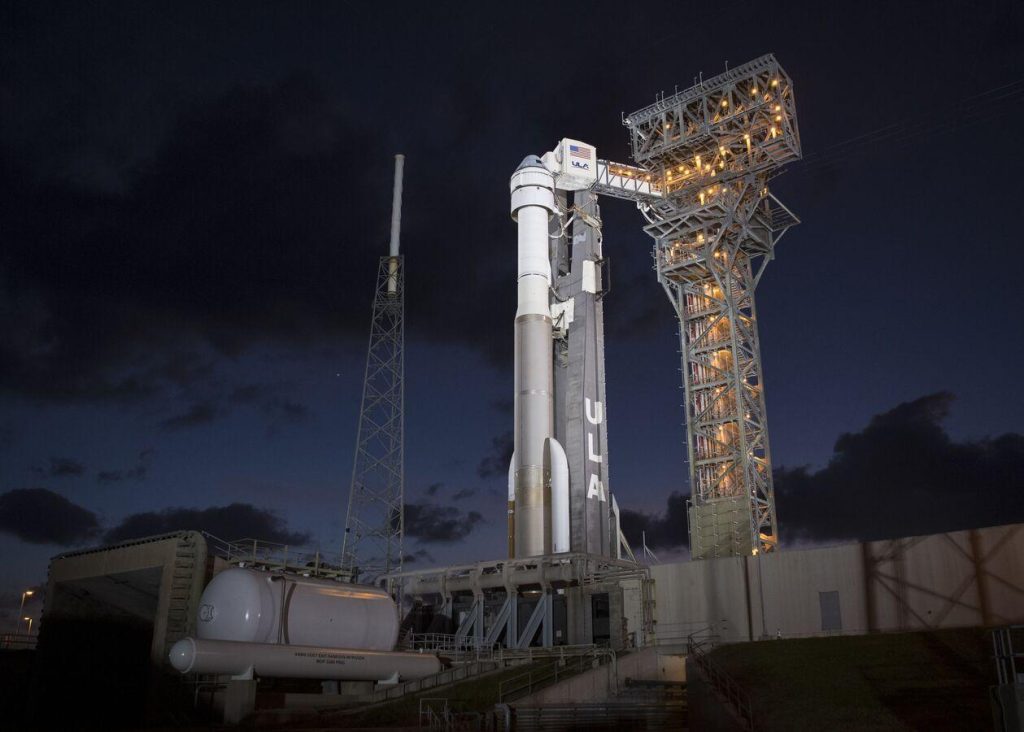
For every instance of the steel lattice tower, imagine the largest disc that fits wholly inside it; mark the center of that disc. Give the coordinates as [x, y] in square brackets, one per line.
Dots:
[710, 151]
[374, 526]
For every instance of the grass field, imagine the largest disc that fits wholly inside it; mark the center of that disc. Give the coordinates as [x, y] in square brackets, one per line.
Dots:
[477, 694]
[929, 680]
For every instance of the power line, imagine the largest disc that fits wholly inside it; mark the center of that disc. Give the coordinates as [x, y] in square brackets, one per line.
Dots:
[967, 111]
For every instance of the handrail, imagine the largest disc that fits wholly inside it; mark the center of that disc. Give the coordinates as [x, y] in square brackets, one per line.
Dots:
[21, 641]
[1006, 657]
[723, 683]
[274, 557]
[548, 675]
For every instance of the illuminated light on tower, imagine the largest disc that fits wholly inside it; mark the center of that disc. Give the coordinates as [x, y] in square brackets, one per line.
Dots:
[711, 151]
[374, 527]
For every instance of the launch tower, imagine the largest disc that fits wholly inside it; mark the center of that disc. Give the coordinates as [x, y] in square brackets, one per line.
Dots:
[710, 151]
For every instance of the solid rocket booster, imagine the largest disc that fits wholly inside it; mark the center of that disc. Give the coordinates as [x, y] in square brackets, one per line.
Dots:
[538, 463]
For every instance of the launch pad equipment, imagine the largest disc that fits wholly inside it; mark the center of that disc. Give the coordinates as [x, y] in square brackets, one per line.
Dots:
[704, 158]
[286, 625]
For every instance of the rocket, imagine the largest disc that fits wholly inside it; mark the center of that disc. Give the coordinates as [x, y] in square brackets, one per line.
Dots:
[539, 472]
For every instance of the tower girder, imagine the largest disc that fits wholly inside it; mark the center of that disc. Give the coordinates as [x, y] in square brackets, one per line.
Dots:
[709, 152]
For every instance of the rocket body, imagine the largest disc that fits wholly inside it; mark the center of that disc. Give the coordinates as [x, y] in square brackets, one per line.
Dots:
[533, 204]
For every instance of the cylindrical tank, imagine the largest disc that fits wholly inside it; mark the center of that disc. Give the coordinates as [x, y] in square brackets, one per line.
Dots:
[298, 662]
[533, 203]
[249, 606]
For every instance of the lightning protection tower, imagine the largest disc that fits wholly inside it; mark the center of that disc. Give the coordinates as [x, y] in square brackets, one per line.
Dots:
[711, 151]
[374, 527]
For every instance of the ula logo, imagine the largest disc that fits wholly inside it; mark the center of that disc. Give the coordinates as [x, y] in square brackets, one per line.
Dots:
[581, 166]
[595, 417]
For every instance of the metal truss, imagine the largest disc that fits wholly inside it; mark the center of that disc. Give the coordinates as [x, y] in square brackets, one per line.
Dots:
[498, 586]
[374, 527]
[706, 155]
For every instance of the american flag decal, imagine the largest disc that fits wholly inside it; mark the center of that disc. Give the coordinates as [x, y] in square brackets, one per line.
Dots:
[580, 152]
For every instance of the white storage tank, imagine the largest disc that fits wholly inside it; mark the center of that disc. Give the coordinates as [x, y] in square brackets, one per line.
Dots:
[248, 606]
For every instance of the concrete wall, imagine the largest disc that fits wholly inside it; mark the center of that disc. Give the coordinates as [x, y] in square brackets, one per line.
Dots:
[959, 579]
[692, 596]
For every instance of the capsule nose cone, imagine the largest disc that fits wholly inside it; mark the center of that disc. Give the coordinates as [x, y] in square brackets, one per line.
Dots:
[531, 161]
[183, 655]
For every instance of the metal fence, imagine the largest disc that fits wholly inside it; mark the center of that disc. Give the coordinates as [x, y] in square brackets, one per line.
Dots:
[720, 681]
[1008, 650]
[274, 557]
[550, 674]
[18, 642]
[607, 715]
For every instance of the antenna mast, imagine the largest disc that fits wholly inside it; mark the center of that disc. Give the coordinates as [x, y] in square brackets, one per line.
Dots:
[374, 527]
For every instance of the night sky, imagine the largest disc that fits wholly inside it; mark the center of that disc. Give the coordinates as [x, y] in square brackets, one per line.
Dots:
[193, 199]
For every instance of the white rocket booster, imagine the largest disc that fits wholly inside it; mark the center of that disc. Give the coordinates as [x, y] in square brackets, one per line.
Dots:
[539, 471]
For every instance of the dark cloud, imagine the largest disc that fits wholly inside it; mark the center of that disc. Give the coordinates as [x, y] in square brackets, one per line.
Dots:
[40, 516]
[227, 236]
[666, 530]
[420, 555]
[463, 493]
[433, 488]
[903, 475]
[12, 600]
[429, 522]
[258, 218]
[503, 406]
[60, 467]
[234, 521]
[11, 604]
[269, 399]
[198, 414]
[281, 413]
[138, 472]
[501, 455]
[635, 308]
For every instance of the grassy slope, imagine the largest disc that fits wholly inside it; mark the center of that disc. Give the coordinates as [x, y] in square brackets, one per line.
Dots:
[928, 680]
[476, 694]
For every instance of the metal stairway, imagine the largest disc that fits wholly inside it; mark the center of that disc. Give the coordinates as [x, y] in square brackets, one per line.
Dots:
[181, 604]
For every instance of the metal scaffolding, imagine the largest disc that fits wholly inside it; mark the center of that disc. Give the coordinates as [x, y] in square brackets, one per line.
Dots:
[374, 528]
[705, 156]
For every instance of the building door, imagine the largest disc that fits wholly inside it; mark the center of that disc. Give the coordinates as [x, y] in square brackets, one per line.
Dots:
[831, 620]
[600, 613]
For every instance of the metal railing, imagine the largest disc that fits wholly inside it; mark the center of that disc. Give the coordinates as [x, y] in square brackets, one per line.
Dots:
[274, 557]
[1008, 670]
[434, 713]
[18, 642]
[547, 675]
[518, 656]
[448, 644]
[451, 675]
[603, 715]
[731, 692]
